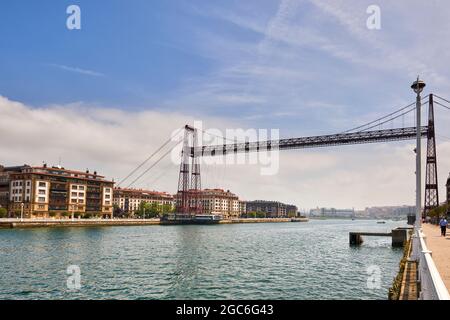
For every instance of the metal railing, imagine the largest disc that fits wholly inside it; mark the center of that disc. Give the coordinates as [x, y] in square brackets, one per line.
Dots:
[431, 285]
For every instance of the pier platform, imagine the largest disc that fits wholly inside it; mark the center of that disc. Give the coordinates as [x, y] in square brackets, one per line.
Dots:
[399, 236]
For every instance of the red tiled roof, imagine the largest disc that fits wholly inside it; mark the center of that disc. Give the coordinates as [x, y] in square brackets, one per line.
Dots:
[46, 171]
[69, 171]
[159, 193]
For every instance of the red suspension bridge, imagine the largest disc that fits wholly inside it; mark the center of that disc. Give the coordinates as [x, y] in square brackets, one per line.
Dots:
[189, 183]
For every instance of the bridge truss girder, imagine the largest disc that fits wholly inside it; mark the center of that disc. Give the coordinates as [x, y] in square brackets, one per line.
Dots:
[362, 137]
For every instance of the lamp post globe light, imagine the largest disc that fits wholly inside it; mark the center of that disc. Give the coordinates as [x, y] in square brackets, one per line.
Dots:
[417, 87]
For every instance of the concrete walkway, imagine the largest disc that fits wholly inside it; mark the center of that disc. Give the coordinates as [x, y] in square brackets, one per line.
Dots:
[440, 247]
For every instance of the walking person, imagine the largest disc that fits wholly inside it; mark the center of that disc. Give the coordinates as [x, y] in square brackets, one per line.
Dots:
[443, 223]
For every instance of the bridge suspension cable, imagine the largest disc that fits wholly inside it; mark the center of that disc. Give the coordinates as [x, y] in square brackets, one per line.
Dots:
[153, 165]
[444, 101]
[177, 132]
[217, 136]
[377, 121]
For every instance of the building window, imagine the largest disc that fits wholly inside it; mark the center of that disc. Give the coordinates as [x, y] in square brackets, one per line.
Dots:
[80, 200]
[74, 187]
[81, 188]
[42, 184]
[81, 194]
[74, 194]
[41, 199]
[42, 192]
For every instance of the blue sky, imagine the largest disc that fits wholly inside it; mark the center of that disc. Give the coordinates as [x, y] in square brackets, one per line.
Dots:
[133, 46]
[305, 67]
[236, 59]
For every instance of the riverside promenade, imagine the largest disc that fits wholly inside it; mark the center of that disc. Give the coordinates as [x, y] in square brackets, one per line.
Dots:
[46, 223]
[440, 247]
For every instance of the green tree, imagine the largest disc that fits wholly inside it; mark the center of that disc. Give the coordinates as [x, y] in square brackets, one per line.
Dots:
[154, 210]
[3, 213]
[292, 214]
[439, 211]
[166, 208]
[143, 210]
[260, 214]
[251, 214]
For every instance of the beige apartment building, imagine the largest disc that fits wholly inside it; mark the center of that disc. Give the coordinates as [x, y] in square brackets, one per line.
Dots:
[129, 200]
[219, 202]
[42, 192]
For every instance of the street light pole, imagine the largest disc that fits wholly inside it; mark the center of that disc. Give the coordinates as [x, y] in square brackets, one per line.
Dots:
[21, 211]
[418, 86]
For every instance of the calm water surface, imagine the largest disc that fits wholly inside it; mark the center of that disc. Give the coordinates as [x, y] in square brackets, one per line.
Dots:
[245, 261]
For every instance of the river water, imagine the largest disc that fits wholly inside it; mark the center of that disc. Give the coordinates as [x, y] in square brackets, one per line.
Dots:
[310, 260]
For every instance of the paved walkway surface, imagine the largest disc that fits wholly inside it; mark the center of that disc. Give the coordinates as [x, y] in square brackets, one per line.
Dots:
[440, 247]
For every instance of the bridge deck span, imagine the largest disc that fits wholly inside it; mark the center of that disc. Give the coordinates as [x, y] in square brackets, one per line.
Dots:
[373, 136]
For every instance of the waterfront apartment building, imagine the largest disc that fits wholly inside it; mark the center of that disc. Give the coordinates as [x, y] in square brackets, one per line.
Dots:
[271, 209]
[43, 192]
[129, 200]
[218, 202]
[5, 178]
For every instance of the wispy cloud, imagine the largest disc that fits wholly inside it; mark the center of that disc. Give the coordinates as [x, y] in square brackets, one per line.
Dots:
[78, 70]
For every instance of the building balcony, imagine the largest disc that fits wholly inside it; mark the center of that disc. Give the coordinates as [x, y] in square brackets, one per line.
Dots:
[93, 196]
[60, 189]
[58, 207]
